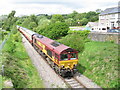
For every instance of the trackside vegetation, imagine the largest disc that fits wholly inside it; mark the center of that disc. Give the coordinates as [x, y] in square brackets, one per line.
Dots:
[18, 66]
[100, 62]
[97, 60]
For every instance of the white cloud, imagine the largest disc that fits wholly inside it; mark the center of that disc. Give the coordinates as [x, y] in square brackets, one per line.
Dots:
[27, 7]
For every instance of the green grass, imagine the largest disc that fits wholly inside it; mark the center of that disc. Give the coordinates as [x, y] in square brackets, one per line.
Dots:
[19, 65]
[0, 41]
[99, 62]
[0, 82]
[34, 79]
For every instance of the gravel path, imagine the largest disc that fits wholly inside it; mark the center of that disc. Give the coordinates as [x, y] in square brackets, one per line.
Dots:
[50, 78]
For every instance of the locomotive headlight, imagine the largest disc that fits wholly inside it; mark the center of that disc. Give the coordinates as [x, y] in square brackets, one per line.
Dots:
[75, 65]
[62, 66]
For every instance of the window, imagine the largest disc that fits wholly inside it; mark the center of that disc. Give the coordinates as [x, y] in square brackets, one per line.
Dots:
[113, 15]
[35, 40]
[49, 53]
[72, 56]
[64, 56]
[103, 28]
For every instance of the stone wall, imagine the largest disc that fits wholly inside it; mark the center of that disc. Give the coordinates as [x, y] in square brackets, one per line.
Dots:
[100, 36]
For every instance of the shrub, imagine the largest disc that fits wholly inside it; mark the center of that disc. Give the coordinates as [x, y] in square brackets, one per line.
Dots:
[54, 30]
[84, 33]
[74, 41]
[12, 70]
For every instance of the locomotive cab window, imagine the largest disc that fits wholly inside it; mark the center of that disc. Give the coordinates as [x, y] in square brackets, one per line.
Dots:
[72, 56]
[64, 56]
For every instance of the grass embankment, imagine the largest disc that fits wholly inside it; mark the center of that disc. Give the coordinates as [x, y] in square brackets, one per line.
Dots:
[18, 66]
[99, 62]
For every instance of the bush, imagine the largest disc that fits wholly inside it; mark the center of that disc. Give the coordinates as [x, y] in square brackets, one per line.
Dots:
[84, 33]
[74, 41]
[54, 30]
[12, 70]
[10, 46]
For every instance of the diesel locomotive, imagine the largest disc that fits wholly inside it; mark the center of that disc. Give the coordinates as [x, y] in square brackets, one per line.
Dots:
[61, 58]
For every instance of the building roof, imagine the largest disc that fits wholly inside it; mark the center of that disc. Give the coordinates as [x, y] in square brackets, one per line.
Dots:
[110, 10]
[91, 24]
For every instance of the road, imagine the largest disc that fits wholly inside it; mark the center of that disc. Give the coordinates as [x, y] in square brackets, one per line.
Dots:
[50, 78]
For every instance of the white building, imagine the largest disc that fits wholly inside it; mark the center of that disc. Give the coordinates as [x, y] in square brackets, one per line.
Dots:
[108, 19]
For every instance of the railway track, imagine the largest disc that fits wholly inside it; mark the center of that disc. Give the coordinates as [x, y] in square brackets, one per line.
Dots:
[73, 83]
[70, 82]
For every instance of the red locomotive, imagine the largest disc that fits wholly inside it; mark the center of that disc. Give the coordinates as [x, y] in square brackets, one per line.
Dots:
[62, 58]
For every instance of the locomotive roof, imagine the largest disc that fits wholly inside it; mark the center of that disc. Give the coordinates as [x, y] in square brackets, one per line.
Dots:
[53, 45]
[28, 31]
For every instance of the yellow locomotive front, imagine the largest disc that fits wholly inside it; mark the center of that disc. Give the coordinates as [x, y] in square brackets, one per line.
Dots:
[68, 62]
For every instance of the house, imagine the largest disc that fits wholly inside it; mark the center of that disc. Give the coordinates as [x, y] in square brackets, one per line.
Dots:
[108, 19]
[91, 25]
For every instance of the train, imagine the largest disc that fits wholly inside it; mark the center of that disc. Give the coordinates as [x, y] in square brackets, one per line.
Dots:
[62, 59]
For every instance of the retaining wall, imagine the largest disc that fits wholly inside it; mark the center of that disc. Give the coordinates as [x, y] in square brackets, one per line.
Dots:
[100, 36]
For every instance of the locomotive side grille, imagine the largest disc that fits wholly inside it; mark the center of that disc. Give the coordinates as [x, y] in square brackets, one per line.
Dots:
[55, 44]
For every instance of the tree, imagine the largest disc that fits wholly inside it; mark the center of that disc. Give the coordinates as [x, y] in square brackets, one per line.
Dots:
[32, 25]
[99, 11]
[33, 18]
[57, 17]
[57, 30]
[26, 23]
[84, 21]
[8, 23]
[30, 22]
[73, 14]
[94, 18]
[11, 15]
[54, 30]
[78, 42]
[69, 21]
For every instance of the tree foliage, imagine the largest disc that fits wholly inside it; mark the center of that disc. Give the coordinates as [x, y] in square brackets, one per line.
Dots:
[31, 22]
[54, 30]
[8, 23]
[56, 18]
[76, 38]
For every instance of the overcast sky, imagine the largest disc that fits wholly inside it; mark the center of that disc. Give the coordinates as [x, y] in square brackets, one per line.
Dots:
[27, 7]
